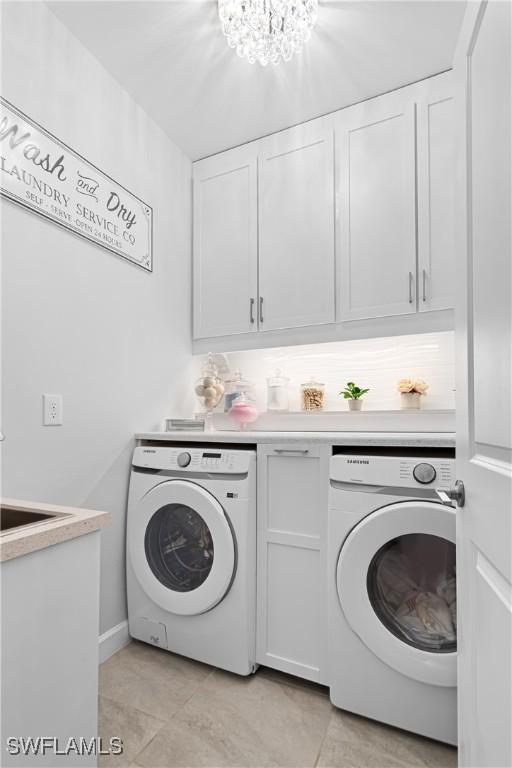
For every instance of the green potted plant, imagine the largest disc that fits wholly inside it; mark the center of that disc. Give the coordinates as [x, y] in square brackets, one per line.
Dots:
[353, 394]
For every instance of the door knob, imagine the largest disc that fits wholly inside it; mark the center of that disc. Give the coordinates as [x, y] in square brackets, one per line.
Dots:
[456, 494]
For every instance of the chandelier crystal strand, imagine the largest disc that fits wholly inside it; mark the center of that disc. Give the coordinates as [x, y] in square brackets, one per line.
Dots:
[267, 30]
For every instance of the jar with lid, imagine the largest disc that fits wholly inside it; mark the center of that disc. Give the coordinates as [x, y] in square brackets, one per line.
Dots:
[243, 411]
[277, 392]
[209, 390]
[235, 387]
[312, 395]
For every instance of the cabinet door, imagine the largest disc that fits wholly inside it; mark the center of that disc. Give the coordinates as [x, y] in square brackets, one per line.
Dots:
[296, 227]
[436, 175]
[292, 583]
[375, 148]
[225, 244]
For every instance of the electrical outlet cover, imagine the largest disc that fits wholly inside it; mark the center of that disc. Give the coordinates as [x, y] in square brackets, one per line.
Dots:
[52, 410]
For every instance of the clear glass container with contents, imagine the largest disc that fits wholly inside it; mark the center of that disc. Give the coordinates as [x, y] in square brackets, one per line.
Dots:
[277, 392]
[312, 395]
[243, 411]
[209, 390]
[234, 388]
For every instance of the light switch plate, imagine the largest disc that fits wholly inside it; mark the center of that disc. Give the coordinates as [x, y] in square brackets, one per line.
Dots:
[52, 410]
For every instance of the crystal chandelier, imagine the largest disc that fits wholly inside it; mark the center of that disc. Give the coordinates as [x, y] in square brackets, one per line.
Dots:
[267, 30]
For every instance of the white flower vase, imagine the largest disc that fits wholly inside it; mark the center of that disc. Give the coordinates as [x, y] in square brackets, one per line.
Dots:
[410, 401]
[355, 405]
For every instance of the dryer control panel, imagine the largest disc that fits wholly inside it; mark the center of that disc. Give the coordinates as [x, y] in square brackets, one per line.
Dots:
[193, 459]
[393, 471]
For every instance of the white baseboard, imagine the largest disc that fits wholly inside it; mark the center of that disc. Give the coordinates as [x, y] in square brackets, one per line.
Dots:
[113, 640]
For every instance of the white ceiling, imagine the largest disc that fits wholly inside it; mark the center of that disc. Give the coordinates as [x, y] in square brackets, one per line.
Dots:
[173, 59]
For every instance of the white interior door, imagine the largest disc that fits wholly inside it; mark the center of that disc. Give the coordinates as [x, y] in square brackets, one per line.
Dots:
[375, 155]
[225, 249]
[296, 227]
[483, 327]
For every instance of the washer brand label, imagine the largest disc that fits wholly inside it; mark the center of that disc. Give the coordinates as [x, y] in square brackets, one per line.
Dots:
[148, 450]
[358, 461]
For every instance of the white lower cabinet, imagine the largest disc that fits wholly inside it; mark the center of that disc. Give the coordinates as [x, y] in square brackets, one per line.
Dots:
[49, 660]
[291, 600]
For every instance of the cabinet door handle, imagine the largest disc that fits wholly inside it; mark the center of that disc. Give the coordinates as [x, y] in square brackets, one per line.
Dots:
[424, 285]
[291, 450]
[261, 309]
[410, 287]
[251, 311]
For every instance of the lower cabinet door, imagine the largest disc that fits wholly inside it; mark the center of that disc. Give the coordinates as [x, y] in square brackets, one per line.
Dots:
[291, 601]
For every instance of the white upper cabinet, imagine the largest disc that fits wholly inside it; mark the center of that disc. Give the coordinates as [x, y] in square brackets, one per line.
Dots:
[436, 175]
[225, 280]
[296, 227]
[375, 150]
[340, 227]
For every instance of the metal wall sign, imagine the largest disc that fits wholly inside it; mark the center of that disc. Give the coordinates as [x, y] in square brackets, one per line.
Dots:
[44, 175]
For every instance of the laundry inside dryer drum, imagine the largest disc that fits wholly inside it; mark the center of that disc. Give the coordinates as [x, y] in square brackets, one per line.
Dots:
[179, 547]
[412, 588]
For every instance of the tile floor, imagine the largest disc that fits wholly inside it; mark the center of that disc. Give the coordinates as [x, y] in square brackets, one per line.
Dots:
[172, 712]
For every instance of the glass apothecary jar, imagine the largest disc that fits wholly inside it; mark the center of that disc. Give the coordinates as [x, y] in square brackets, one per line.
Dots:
[235, 387]
[209, 390]
[243, 411]
[277, 392]
[312, 396]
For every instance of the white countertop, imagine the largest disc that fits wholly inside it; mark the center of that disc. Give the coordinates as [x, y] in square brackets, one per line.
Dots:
[67, 523]
[406, 439]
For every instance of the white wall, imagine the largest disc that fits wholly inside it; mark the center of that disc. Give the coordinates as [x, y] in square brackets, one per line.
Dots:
[113, 339]
[373, 363]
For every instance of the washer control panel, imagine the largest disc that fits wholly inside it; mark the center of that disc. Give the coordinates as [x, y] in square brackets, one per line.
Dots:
[193, 459]
[392, 471]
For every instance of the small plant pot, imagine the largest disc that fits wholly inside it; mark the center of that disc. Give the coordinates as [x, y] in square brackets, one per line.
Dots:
[410, 401]
[355, 405]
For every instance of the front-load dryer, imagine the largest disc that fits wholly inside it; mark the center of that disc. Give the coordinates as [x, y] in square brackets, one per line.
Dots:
[392, 601]
[191, 553]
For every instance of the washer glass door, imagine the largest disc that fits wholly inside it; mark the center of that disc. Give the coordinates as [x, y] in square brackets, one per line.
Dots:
[182, 547]
[396, 587]
[179, 547]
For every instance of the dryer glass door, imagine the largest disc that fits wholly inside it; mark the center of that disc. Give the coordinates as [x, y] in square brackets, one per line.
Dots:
[411, 586]
[182, 547]
[396, 586]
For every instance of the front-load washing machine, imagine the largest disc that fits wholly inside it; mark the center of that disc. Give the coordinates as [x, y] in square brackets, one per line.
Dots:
[392, 600]
[191, 553]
